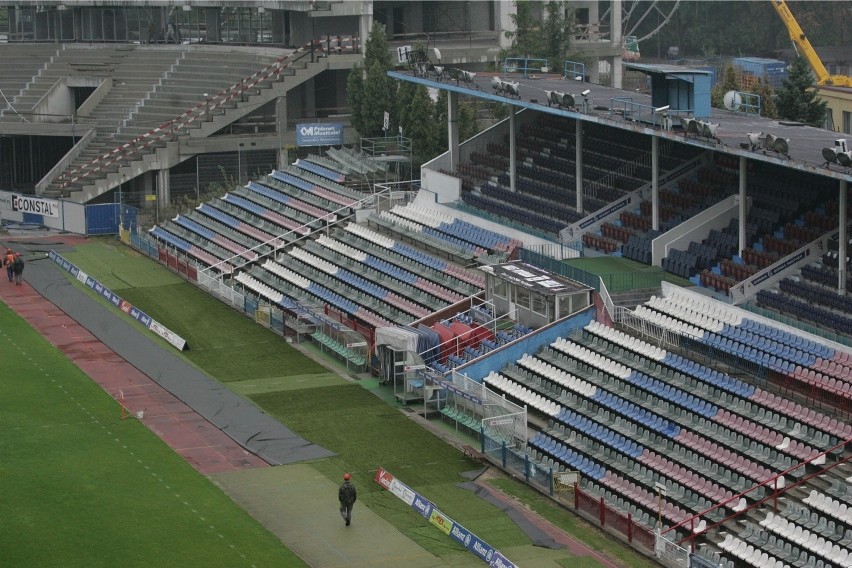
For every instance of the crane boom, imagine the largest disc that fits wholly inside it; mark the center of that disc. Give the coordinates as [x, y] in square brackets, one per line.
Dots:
[804, 48]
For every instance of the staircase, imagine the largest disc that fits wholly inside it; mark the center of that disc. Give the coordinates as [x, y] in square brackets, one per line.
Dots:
[19, 65]
[149, 135]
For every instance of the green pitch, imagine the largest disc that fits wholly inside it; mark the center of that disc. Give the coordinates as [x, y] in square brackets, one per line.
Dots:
[81, 487]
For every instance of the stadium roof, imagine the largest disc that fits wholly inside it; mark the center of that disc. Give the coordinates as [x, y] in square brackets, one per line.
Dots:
[805, 146]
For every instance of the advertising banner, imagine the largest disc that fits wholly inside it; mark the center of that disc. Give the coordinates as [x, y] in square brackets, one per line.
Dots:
[319, 134]
[121, 304]
[35, 205]
[449, 527]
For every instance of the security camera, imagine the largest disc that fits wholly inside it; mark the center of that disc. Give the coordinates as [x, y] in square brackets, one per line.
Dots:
[662, 108]
[586, 92]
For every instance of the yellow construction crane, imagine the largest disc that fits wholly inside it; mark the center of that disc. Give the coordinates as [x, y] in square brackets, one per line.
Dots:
[804, 48]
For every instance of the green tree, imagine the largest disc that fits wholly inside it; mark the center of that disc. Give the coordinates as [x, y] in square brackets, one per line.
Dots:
[421, 128]
[526, 38]
[798, 98]
[768, 108]
[468, 123]
[730, 82]
[355, 96]
[369, 90]
[556, 33]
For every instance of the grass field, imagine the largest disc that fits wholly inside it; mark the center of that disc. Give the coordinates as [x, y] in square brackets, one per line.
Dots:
[620, 274]
[81, 487]
[363, 429]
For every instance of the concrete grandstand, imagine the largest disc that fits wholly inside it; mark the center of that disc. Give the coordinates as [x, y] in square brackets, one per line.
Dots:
[707, 424]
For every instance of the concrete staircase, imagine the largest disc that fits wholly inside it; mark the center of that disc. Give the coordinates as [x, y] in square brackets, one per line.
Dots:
[19, 65]
[179, 92]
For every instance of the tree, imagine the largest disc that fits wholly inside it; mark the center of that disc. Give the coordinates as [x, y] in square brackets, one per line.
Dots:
[768, 108]
[798, 98]
[526, 39]
[730, 82]
[421, 129]
[556, 33]
[369, 90]
[355, 96]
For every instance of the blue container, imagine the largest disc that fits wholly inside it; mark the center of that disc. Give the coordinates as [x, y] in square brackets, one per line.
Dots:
[773, 70]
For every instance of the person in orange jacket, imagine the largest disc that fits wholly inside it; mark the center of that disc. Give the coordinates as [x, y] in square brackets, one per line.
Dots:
[9, 263]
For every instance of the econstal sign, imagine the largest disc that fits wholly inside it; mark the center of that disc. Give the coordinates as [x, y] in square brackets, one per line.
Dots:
[319, 134]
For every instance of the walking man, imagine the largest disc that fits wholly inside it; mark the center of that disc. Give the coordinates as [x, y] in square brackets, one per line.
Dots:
[347, 494]
[18, 268]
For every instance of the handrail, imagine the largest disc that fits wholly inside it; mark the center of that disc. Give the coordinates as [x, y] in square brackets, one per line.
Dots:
[63, 162]
[204, 108]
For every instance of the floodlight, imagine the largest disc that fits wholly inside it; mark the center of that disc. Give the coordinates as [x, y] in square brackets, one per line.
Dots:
[437, 53]
[769, 142]
[586, 92]
[662, 108]
[684, 122]
[754, 139]
[496, 83]
[512, 88]
[468, 76]
[840, 143]
[845, 159]
[553, 97]
[567, 100]
[781, 145]
[830, 154]
[692, 127]
[707, 129]
[454, 73]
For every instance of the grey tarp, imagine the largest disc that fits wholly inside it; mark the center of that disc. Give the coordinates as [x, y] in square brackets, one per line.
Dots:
[239, 418]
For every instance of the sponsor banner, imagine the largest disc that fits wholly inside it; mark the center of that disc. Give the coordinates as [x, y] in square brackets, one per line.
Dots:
[461, 535]
[449, 527]
[167, 334]
[481, 548]
[441, 521]
[118, 302]
[35, 205]
[319, 134]
[500, 561]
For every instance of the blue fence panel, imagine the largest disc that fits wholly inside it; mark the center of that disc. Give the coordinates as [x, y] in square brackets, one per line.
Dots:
[102, 219]
[33, 219]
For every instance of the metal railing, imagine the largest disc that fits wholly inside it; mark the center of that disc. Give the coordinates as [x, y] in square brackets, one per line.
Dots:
[65, 161]
[202, 110]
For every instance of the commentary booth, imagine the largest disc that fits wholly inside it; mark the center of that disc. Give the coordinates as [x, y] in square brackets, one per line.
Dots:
[533, 296]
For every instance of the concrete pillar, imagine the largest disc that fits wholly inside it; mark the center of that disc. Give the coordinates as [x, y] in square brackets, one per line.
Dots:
[453, 129]
[512, 164]
[310, 99]
[655, 183]
[842, 238]
[281, 130]
[578, 158]
[505, 10]
[365, 23]
[164, 197]
[741, 244]
[615, 37]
